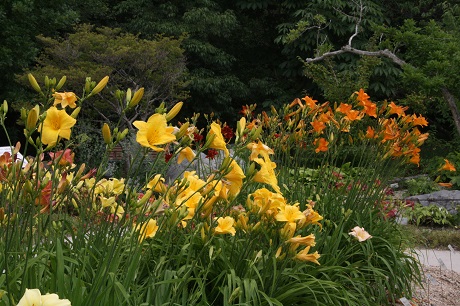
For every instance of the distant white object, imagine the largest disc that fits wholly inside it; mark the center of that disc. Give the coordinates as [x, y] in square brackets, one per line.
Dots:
[18, 155]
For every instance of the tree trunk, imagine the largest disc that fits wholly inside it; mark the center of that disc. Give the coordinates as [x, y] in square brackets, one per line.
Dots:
[452, 103]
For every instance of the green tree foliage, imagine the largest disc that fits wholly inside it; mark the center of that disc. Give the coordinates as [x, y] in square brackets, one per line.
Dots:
[229, 47]
[158, 64]
[433, 51]
[20, 22]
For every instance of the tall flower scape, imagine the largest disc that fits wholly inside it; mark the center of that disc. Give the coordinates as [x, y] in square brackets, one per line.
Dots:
[235, 234]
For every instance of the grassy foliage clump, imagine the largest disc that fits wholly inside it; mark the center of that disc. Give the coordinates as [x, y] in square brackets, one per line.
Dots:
[233, 227]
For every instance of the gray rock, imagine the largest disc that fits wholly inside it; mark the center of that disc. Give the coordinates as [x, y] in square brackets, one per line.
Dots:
[449, 199]
[202, 165]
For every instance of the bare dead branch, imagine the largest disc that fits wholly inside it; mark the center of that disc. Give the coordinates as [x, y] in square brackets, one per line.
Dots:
[347, 49]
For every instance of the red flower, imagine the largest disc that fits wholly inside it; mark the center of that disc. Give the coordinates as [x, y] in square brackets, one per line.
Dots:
[227, 132]
[168, 156]
[197, 137]
[211, 154]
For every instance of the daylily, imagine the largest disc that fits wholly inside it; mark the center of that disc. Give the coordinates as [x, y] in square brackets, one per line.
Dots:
[395, 109]
[304, 256]
[33, 297]
[186, 153]
[266, 174]
[65, 99]
[290, 214]
[225, 226]
[321, 145]
[56, 124]
[218, 141]
[448, 166]
[234, 178]
[147, 229]
[360, 234]
[257, 148]
[154, 132]
[318, 126]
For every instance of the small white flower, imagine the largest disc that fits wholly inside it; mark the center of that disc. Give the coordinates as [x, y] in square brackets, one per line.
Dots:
[360, 233]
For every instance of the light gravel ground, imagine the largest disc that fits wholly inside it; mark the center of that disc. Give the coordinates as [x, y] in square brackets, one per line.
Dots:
[441, 287]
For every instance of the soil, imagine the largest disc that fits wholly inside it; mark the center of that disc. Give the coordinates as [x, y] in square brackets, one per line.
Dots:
[441, 287]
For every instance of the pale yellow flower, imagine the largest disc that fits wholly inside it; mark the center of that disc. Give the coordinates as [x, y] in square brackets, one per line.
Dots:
[225, 226]
[57, 124]
[154, 132]
[360, 233]
[33, 297]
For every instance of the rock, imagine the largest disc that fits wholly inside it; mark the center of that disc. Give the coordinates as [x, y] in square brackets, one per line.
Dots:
[449, 199]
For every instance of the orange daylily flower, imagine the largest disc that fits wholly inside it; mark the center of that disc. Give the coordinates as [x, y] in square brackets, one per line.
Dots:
[353, 115]
[370, 133]
[448, 166]
[344, 108]
[310, 102]
[318, 125]
[395, 109]
[446, 185]
[419, 120]
[321, 145]
[370, 108]
[362, 96]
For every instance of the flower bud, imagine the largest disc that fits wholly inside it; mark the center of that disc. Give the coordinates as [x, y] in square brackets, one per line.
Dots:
[128, 96]
[32, 118]
[47, 82]
[160, 109]
[87, 84]
[75, 112]
[5, 107]
[33, 82]
[122, 135]
[136, 98]
[209, 140]
[61, 83]
[174, 111]
[23, 114]
[183, 129]
[106, 134]
[240, 126]
[100, 86]
[256, 134]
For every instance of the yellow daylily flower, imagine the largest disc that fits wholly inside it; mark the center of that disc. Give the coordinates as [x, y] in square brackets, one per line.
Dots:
[258, 148]
[225, 226]
[65, 99]
[186, 153]
[56, 124]
[147, 229]
[154, 132]
[218, 141]
[290, 214]
[157, 183]
[304, 256]
[234, 178]
[266, 174]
